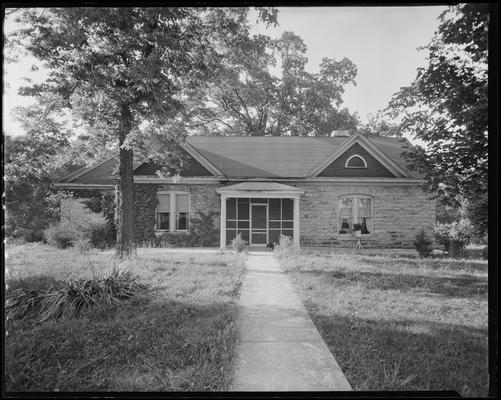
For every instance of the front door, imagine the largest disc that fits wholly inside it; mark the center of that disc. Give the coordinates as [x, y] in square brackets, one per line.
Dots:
[259, 231]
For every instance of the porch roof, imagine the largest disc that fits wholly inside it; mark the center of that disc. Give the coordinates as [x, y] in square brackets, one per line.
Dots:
[261, 188]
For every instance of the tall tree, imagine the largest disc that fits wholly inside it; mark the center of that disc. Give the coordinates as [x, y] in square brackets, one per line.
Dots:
[120, 67]
[446, 107]
[246, 98]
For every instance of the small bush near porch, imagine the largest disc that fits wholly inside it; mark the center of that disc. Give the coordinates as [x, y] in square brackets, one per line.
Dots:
[177, 334]
[396, 323]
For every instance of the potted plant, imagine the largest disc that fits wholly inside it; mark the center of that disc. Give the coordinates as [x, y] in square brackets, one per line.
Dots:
[358, 230]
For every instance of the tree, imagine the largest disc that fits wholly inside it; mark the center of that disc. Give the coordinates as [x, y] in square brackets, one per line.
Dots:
[380, 124]
[32, 162]
[119, 67]
[247, 98]
[446, 107]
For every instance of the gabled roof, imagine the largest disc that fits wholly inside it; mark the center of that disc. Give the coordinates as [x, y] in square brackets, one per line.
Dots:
[265, 157]
[289, 156]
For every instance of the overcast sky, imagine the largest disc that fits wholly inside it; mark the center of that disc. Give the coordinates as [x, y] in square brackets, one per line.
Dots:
[381, 41]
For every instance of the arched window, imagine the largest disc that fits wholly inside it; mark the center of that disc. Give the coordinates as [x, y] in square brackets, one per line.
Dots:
[356, 161]
[356, 209]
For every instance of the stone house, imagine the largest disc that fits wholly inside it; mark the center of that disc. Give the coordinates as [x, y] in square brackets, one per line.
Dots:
[314, 189]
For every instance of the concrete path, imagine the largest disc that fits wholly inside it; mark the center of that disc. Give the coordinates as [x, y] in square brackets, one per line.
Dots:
[280, 347]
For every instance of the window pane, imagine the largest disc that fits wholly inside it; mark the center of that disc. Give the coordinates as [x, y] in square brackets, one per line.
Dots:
[345, 208]
[243, 224]
[163, 202]
[287, 233]
[356, 162]
[287, 209]
[163, 221]
[182, 221]
[273, 235]
[182, 202]
[364, 207]
[365, 222]
[231, 208]
[287, 224]
[274, 224]
[274, 208]
[243, 208]
[231, 224]
[259, 200]
[345, 225]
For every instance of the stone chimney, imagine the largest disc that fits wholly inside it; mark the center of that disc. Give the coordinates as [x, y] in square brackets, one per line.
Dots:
[340, 134]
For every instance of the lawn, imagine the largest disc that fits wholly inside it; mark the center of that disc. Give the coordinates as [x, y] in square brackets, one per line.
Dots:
[178, 334]
[396, 323]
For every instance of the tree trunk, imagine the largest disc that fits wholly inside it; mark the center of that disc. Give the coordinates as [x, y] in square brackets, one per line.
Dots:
[124, 195]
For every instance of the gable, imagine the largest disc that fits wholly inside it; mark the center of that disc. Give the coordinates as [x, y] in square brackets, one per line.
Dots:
[191, 167]
[374, 167]
[96, 174]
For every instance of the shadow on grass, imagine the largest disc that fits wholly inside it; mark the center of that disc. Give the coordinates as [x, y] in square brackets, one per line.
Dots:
[407, 355]
[142, 346]
[463, 286]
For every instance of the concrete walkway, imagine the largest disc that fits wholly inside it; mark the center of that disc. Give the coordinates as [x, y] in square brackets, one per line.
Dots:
[280, 347]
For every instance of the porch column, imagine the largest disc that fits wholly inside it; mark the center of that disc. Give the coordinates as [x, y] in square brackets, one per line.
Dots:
[296, 221]
[222, 236]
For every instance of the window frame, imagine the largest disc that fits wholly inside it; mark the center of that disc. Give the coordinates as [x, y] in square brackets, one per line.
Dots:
[346, 164]
[173, 211]
[354, 214]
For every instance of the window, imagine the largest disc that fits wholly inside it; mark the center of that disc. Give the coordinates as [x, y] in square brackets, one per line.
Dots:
[355, 209]
[173, 210]
[356, 161]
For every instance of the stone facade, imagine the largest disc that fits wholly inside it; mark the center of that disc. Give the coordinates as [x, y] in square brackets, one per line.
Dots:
[400, 212]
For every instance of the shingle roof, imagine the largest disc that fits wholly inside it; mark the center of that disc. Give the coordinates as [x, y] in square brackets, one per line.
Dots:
[278, 156]
[255, 156]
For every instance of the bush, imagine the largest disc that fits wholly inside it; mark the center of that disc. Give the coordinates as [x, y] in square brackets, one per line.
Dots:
[286, 247]
[30, 235]
[202, 228]
[238, 244]
[60, 236]
[458, 233]
[82, 245]
[71, 298]
[180, 239]
[423, 244]
[100, 235]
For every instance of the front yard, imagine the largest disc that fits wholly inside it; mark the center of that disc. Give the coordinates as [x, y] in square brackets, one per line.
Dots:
[178, 334]
[396, 323]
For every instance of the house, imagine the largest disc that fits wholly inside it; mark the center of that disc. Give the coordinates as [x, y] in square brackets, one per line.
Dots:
[313, 189]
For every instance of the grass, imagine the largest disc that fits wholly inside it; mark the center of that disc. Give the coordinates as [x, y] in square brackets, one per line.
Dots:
[396, 323]
[178, 334]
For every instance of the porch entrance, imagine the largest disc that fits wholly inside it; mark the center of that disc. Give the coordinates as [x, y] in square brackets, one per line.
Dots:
[260, 212]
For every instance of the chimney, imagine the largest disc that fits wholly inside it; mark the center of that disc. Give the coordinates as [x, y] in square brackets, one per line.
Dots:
[340, 133]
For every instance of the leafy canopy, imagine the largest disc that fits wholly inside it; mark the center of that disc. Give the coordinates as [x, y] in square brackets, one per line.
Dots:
[446, 106]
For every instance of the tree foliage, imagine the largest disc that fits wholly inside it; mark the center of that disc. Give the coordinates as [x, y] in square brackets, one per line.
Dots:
[118, 68]
[446, 107]
[247, 98]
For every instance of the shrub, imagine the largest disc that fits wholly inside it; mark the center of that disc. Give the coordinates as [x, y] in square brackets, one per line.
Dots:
[423, 244]
[70, 298]
[286, 247]
[458, 233]
[202, 228]
[30, 235]
[179, 239]
[60, 236]
[100, 235]
[238, 244]
[82, 245]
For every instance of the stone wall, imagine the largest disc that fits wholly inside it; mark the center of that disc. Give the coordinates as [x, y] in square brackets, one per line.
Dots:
[400, 212]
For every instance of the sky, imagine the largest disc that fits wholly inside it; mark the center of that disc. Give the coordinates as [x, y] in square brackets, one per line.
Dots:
[381, 41]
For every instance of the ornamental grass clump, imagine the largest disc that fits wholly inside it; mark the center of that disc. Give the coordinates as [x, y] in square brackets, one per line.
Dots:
[72, 297]
[286, 247]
